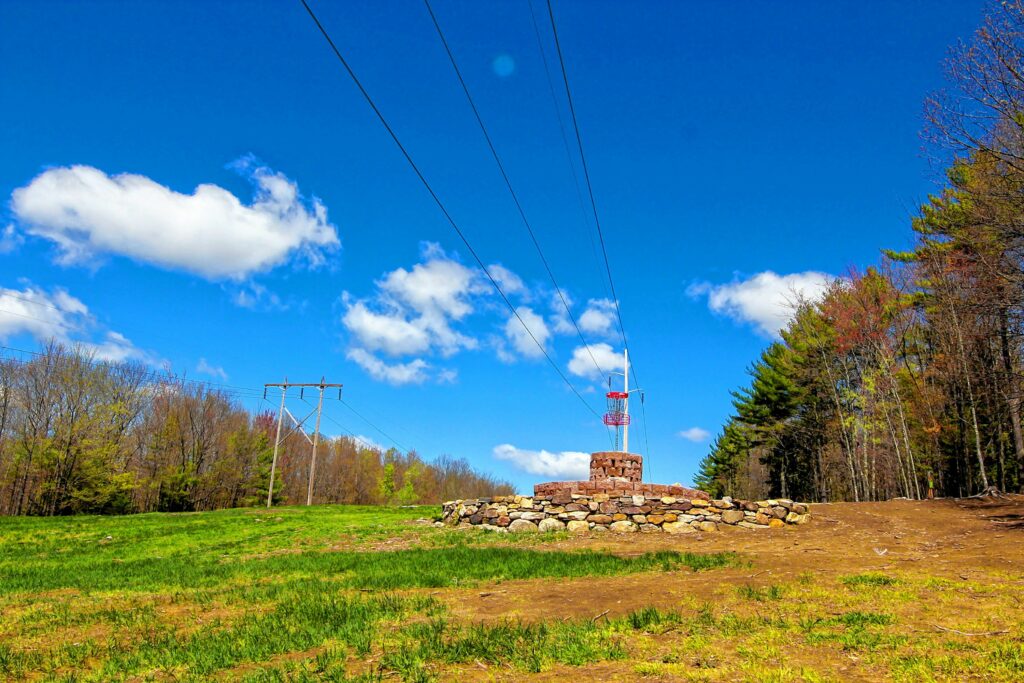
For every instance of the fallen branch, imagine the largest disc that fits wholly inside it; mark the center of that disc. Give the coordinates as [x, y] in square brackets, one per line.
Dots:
[965, 633]
[594, 620]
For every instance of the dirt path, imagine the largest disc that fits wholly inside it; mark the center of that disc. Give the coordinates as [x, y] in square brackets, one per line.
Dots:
[949, 539]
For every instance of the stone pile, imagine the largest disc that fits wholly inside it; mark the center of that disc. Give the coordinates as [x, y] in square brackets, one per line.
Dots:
[601, 512]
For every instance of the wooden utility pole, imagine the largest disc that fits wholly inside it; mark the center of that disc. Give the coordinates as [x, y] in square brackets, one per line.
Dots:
[316, 439]
[277, 443]
[321, 385]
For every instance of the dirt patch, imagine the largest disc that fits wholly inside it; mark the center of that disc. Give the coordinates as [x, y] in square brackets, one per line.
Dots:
[952, 539]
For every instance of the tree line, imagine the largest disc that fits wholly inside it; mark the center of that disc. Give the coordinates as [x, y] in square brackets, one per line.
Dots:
[905, 378]
[79, 435]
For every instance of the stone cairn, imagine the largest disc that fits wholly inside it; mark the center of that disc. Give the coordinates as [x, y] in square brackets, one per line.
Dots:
[615, 499]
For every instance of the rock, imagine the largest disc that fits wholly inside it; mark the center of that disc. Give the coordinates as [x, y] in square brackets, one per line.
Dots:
[764, 519]
[491, 513]
[532, 516]
[519, 525]
[668, 500]
[551, 525]
[732, 516]
[639, 500]
[476, 519]
[618, 517]
[722, 504]
[776, 523]
[599, 528]
[503, 520]
[648, 528]
[593, 506]
[437, 524]
[751, 525]
[578, 515]
[655, 519]
[671, 517]
[686, 519]
[600, 498]
[800, 508]
[515, 514]
[526, 503]
[561, 498]
[623, 527]
[700, 503]
[752, 507]
[639, 519]
[577, 527]
[677, 528]
[793, 518]
[632, 510]
[600, 519]
[707, 526]
[609, 508]
[575, 507]
[779, 512]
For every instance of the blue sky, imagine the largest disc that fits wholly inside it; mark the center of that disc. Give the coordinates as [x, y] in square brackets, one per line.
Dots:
[737, 151]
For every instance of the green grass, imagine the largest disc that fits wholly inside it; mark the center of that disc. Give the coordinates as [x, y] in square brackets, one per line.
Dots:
[190, 596]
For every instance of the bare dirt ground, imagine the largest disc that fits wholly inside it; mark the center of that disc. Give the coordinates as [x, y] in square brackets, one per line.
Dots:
[957, 568]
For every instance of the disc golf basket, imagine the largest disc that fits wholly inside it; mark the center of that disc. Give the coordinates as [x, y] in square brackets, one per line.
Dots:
[616, 415]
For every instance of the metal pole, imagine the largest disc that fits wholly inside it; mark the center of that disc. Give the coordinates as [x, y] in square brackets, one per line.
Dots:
[277, 443]
[625, 427]
[316, 438]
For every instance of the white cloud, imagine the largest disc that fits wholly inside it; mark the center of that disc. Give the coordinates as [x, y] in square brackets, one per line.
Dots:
[366, 442]
[582, 365]
[599, 317]
[254, 296]
[9, 239]
[520, 338]
[88, 213]
[388, 332]
[767, 300]
[559, 316]
[695, 434]
[511, 283]
[205, 368]
[413, 372]
[414, 310]
[44, 316]
[61, 317]
[566, 465]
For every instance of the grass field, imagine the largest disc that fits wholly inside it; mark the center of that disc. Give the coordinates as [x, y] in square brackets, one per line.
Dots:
[373, 594]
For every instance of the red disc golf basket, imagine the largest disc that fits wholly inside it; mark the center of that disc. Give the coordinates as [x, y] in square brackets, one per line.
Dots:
[616, 415]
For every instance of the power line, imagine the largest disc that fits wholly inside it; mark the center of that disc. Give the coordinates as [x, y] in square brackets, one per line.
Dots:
[153, 377]
[565, 145]
[508, 182]
[440, 204]
[367, 421]
[593, 202]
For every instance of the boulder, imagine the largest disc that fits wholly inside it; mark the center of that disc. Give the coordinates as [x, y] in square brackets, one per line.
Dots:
[707, 526]
[623, 527]
[577, 527]
[518, 525]
[776, 523]
[600, 519]
[732, 516]
[551, 525]
[677, 528]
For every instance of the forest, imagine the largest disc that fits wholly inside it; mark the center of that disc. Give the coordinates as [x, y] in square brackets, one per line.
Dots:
[79, 435]
[905, 379]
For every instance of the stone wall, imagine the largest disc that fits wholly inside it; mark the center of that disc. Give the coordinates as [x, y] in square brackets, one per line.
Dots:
[600, 512]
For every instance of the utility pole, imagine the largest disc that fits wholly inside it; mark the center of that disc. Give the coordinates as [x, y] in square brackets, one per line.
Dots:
[277, 443]
[625, 403]
[321, 385]
[316, 439]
